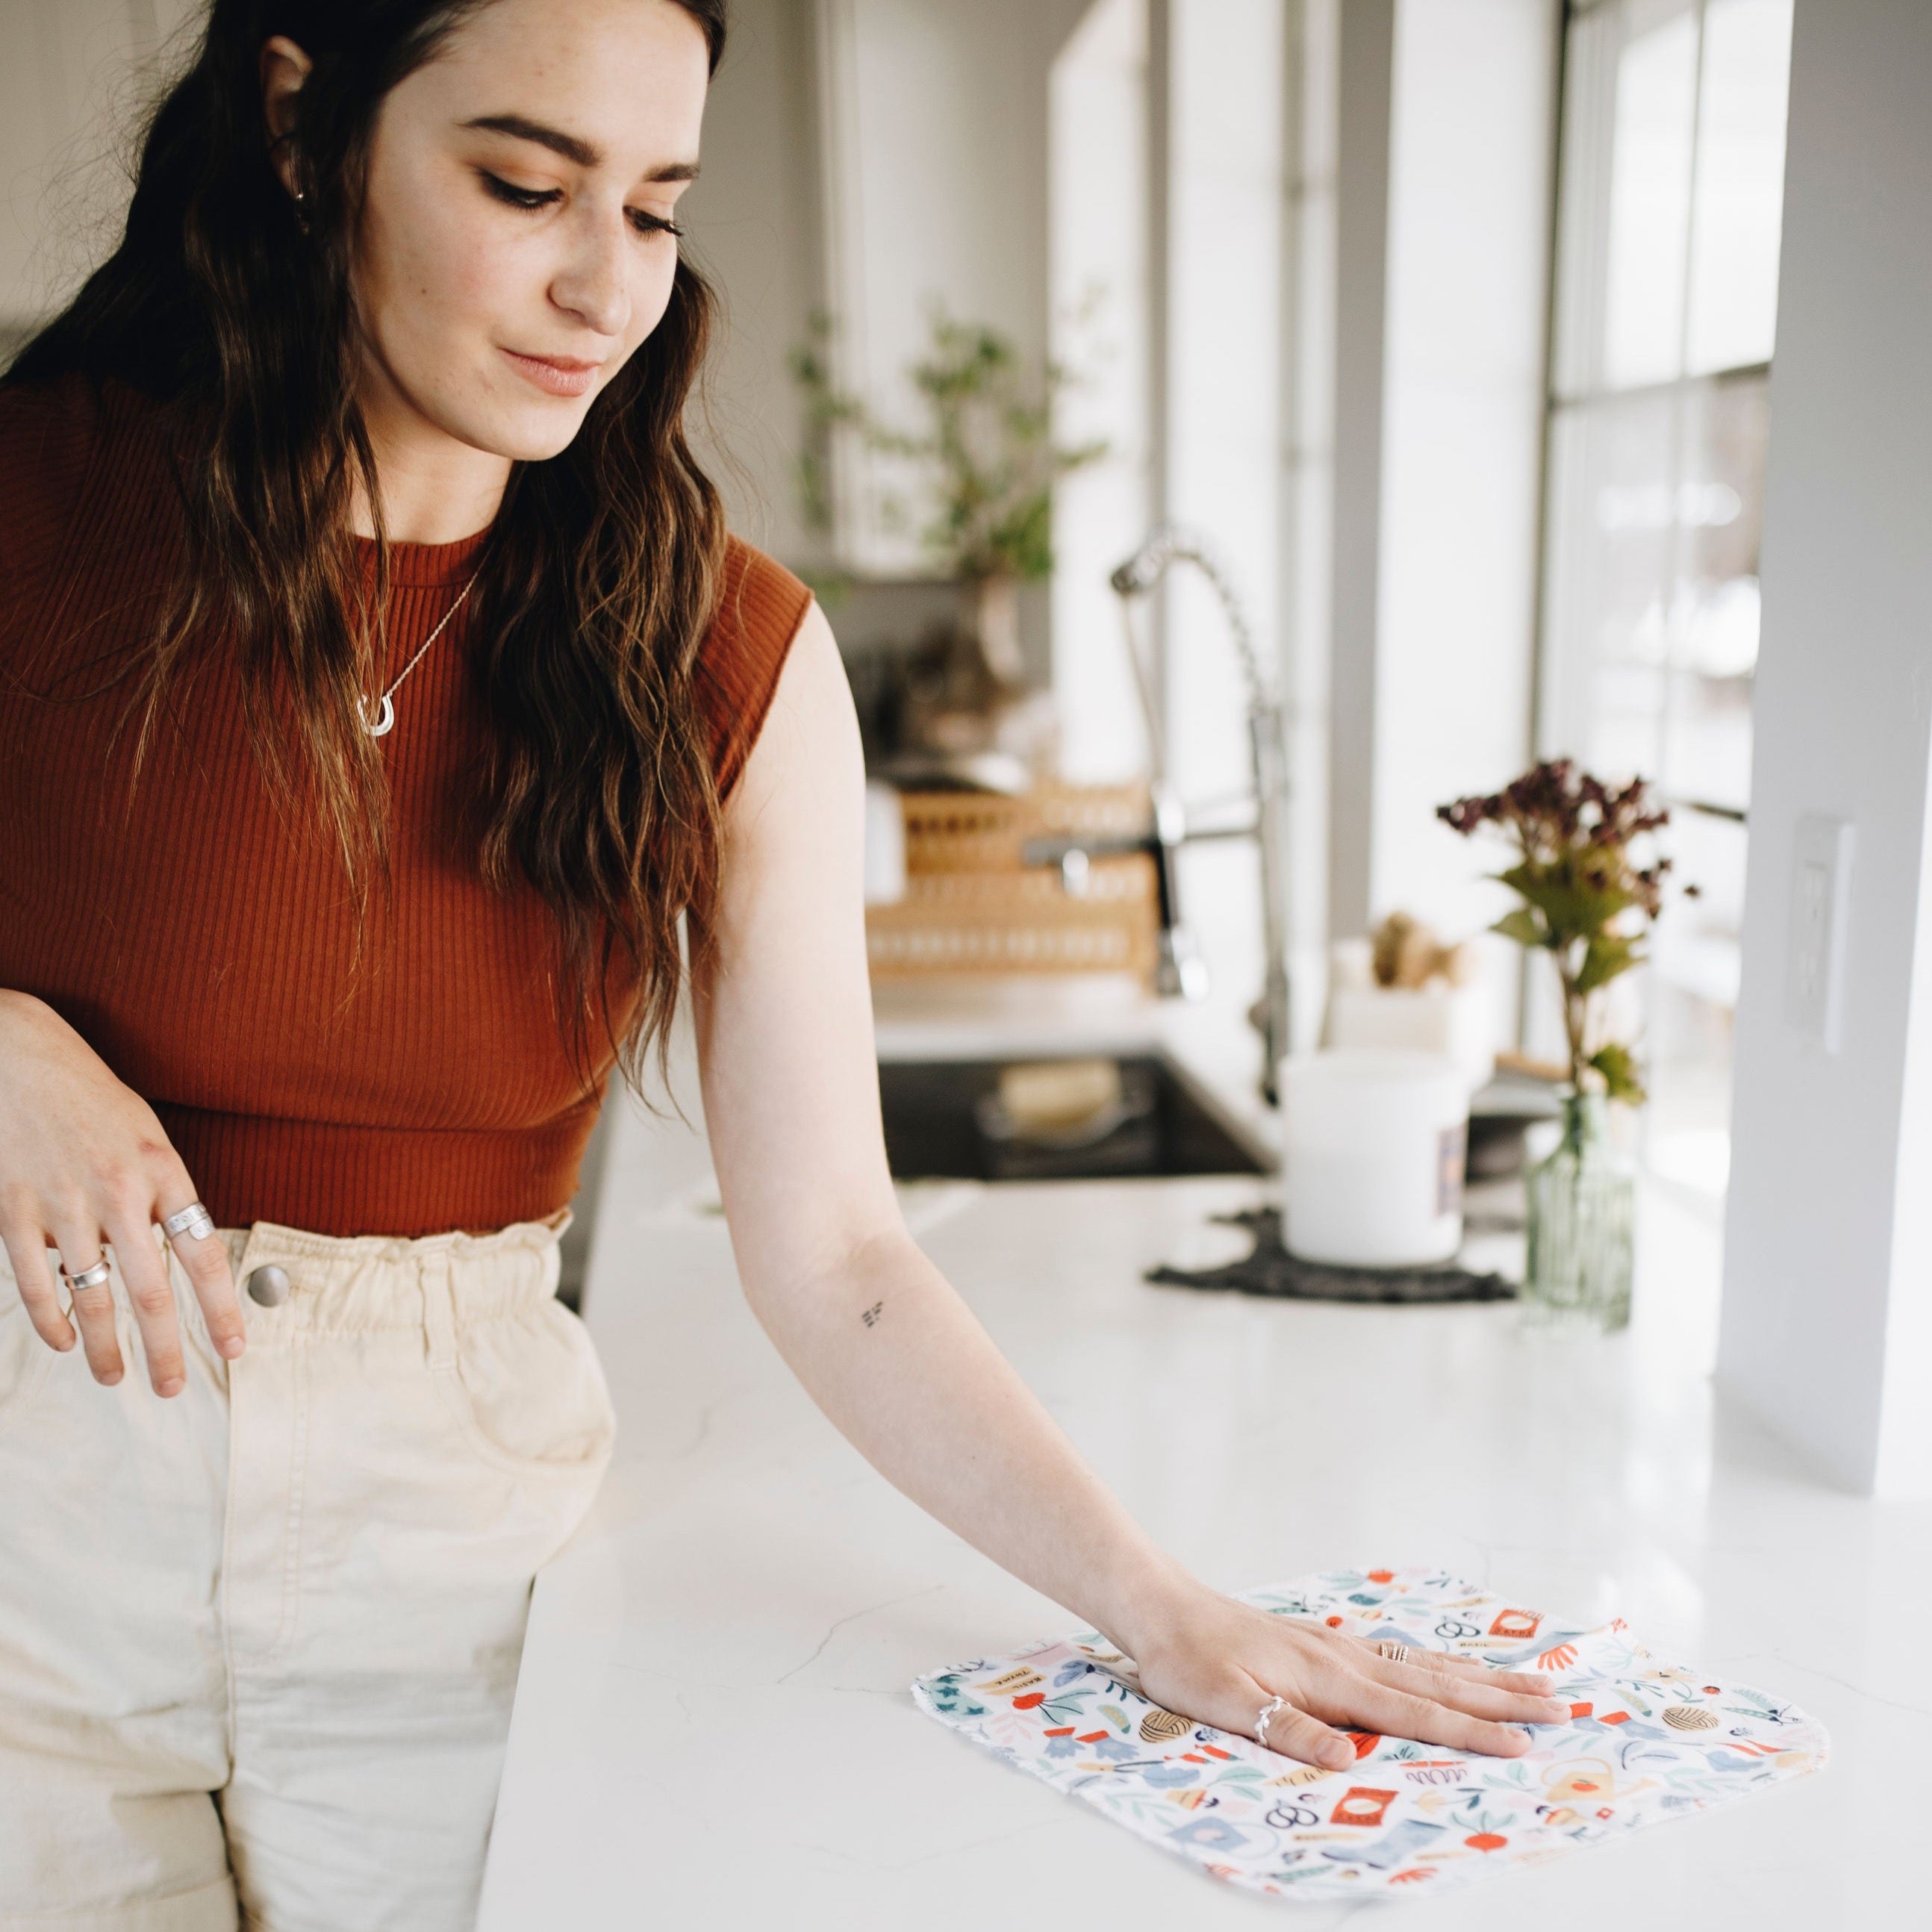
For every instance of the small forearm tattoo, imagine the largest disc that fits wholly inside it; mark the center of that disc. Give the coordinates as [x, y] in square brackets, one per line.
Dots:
[870, 1316]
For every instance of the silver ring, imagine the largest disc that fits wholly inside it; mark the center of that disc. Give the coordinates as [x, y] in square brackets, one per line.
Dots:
[1396, 1653]
[192, 1219]
[1268, 1710]
[95, 1276]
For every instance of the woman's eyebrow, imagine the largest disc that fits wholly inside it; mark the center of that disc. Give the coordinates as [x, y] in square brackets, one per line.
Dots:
[572, 147]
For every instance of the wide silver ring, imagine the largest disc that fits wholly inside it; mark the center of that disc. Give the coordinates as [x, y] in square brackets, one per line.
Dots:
[1268, 1710]
[194, 1220]
[1396, 1653]
[96, 1276]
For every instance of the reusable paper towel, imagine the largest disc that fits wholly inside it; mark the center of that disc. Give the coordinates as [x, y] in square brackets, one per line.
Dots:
[1646, 1742]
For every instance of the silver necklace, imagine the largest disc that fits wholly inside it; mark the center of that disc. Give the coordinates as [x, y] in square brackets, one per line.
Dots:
[384, 721]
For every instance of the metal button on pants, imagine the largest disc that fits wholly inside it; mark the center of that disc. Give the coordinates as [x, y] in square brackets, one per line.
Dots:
[269, 1285]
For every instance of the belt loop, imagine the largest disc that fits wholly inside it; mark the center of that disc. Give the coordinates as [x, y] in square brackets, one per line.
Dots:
[438, 1308]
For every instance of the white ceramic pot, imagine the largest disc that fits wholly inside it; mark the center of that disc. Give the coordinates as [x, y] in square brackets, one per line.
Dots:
[1373, 1147]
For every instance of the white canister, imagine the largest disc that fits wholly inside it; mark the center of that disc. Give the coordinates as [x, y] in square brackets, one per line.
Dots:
[1374, 1143]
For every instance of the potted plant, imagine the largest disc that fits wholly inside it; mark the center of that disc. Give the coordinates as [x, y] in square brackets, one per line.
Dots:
[1587, 901]
[990, 460]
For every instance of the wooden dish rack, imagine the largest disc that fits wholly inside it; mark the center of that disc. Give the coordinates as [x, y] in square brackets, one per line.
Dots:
[972, 907]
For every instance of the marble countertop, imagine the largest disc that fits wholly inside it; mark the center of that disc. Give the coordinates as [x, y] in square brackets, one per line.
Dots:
[713, 1726]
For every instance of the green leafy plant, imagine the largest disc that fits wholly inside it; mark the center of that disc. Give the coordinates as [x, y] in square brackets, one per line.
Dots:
[987, 446]
[1586, 901]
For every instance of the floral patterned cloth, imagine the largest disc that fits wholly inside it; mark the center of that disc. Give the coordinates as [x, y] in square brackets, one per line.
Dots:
[1646, 1742]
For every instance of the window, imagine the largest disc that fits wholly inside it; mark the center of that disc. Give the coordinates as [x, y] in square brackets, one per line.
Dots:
[1671, 189]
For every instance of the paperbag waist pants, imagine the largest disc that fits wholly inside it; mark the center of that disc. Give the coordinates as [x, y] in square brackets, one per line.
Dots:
[258, 1642]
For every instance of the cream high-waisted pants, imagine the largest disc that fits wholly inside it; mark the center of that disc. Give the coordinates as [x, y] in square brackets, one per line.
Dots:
[258, 1642]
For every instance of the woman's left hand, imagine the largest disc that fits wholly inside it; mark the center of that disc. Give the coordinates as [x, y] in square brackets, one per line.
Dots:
[1221, 1662]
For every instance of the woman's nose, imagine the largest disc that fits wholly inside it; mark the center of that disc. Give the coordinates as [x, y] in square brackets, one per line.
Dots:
[592, 285]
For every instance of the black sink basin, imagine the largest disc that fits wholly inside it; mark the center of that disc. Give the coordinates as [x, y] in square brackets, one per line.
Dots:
[937, 1121]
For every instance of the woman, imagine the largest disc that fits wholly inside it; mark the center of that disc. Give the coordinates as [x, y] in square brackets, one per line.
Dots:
[378, 689]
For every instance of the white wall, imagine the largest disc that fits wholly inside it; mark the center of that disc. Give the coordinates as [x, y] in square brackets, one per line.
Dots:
[1444, 149]
[1472, 145]
[933, 119]
[755, 223]
[1098, 267]
[74, 76]
[1307, 493]
[1827, 1329]
[866, 158]
[1227, 112]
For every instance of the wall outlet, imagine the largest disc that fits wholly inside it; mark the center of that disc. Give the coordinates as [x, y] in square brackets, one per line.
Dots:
[1821, 885]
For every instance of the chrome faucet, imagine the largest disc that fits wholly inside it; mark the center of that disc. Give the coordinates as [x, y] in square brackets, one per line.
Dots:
[1180, 971]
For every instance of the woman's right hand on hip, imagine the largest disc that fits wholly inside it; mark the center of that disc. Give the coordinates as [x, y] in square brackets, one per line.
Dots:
[83, 1161]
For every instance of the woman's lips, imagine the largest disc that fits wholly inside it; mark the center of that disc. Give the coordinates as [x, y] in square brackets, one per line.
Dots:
[555, 375]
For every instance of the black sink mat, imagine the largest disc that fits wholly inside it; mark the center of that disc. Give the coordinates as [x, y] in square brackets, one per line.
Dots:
[1271, 1270]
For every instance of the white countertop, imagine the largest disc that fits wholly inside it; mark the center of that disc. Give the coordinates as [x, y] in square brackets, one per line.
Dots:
[712, 1727]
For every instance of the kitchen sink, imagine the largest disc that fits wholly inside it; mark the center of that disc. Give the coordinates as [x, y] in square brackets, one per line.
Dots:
[943, 1122]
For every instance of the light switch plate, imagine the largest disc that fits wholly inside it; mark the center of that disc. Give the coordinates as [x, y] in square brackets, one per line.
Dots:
[1821, 885]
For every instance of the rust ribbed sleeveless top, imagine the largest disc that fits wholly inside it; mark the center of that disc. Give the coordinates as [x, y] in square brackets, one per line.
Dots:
[202, 945]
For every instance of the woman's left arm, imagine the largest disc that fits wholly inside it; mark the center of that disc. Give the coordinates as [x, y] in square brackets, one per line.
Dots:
[882, 1342]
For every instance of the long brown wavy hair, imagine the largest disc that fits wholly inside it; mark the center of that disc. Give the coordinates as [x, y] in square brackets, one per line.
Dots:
[598, 580]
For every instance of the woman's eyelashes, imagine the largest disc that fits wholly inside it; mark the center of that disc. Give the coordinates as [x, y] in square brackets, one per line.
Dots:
[518, 197]
[641, 219]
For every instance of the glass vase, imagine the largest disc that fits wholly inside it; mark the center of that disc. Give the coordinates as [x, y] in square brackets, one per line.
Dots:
[1581, 1213]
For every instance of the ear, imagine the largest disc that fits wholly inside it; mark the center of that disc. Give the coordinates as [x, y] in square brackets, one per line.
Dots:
[284, 67]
